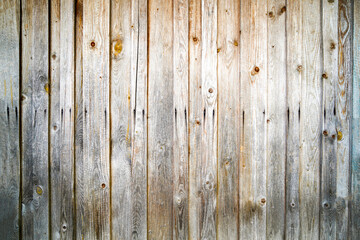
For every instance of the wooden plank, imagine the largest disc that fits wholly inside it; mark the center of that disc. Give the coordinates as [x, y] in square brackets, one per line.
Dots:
[35, 112]
[294, 71]
[254, 116]
[9, 118]
[195, 116]
[120, 114]
[330, 74]
[343, 116]
[228, 38]
[62, 65]
[354, 225]
[160, 119]
[139, 118]
[310, 120]
[276, 120]
[181, 109]
[93, 190]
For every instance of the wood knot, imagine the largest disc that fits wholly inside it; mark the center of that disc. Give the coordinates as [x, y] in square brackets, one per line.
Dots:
[255, 71]
[339, 136]
[195, 39]
[39, 190]
[332, 46]
[263, 201]
[299, 68]
[218, 50]
[236, 43]
[118, 46]
[283, 9]
[53, 56]
[271, 14]
[47, 88]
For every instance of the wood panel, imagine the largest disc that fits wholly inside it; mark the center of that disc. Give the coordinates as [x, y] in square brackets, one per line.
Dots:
[62, 67]
[160, 119]
[228, 74]
[35, 120]
[9, 118]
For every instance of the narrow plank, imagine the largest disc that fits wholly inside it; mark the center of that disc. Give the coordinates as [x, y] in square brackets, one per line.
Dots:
[120, 114]
[9, 118]
[93, 190]
[254, 116]
[139, 118]
[276, 120]
[181, 109]
[195, 116]
[294, 71]
[228, 38]
[343, 116]
[160, 119]
[310, 120]
[62, 66]
[330, 74]
[34, 121]
[354, 225]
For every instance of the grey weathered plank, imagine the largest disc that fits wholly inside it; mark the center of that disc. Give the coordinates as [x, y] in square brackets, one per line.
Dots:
[310, 120]
[92, 164]
[228, 38]
[294, 73]
[343, 117]
[354, 224]
[9, 118]
[62, 67]
[181, 109]
[276, 120]
[253, 122]
[139, 119]
[160, 119]
[120, 113]
[35, 112]
[330, 74]
[195, 116]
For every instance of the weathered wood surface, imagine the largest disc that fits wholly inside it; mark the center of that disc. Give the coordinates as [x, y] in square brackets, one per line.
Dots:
[181, 119]
[9, 119]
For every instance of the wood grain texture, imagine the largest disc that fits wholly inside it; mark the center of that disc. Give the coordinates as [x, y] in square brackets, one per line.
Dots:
[343, 117]
[310, 120]
[354, 224]
[160, 119]
[330, 74]
[62, 67]
[294, 71]
[93, 170]
[181, 111]
[276, 120]
[120, 113]
[35, 119]
[228, 74]
[139, 119]
[9, 118]
[254, 116]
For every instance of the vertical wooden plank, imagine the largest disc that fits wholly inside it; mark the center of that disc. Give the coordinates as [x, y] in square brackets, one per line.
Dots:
[330, 74]
[139, 118]
[355, 155]
[228, 38]
[120, 119]
[181, 109]
[195, 116]
[9, 118]
[35, 110]
[294, 70]
[276, 120]
[160, 120]
[93, 190]
[310, 120]
[62, 67]
[254, 116]
[343, 116]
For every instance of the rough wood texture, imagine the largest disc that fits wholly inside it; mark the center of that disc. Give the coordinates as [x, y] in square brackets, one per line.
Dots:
[228, 74]
[62, 65]
[181, 111]
[160, 119]
[35, 116]
[254, 116]
[9, 118]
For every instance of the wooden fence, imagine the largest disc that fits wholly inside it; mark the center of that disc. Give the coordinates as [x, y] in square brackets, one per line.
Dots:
[180, 119]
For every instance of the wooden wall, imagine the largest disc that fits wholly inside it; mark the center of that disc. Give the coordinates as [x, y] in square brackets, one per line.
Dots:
[180, 119]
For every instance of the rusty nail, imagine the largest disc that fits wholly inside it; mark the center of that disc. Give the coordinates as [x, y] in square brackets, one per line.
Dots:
[271, 14]
[332, 46]
[299, 68]
[55, 127]
[333, 136]
[92, 44]
[197, 122]
[325, 75]
[103, 185]
[53, 56]
[325, 133]
[218, 50]
[257, 69]
[195, 39]
[263, 201]
[211, 90]
[236, 43]
[283, 9]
